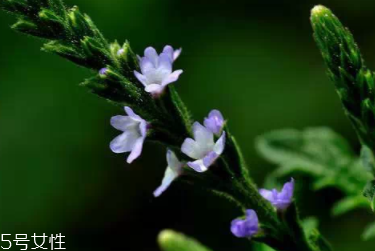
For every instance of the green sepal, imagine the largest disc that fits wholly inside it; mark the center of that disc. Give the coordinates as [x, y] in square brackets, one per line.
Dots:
[78, 23]
[172, 241]
[68, 52]
[96, 54]
[179, 108]
[368, 159]
[128, 61]
[53, 21]
[58, 7]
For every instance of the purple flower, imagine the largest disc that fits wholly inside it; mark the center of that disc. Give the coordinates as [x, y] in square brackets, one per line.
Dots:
[134, 134]
[157, 70]
[174, 169]
[214, 122]
[280, 200]
[246, 228]
[202, 148]
[103, 72]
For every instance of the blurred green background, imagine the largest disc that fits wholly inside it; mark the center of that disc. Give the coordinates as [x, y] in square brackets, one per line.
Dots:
[254, 60]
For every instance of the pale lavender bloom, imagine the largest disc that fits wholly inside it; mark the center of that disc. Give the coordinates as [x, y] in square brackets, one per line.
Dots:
[214, 122]
[103, 71]
[203, 148]
[134, 134]
[174, 169]
[156, 70]
[280, 200]
[173, 54]
[246, 228]
[120, 52]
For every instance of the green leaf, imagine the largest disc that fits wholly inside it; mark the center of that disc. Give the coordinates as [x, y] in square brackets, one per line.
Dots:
[172, 241]
[369, 193]
[369, 232]
[348, 204]
[318, 153]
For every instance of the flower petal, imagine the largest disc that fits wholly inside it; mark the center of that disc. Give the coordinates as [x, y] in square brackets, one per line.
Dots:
[189, 147]
[220, 144]
[169, 177]
[137, 150]
[165, 63]
[209, 159]
[152, 55]
[122, 123]
[214, 122]
[198, 166]
[202, 135]
[169, 51]
[173, 77]
[176, 54]
[154, 88]
[173, 161]
[286, 193]
[132, 114]
[124, 142]
[141, 78]
[146, 65]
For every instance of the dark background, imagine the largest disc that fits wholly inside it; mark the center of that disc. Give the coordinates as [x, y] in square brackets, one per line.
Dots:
[254, 60]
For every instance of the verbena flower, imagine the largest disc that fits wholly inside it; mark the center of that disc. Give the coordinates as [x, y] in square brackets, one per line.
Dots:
[103, 71]
[203, 148]
[280, 200]
[134, 134]
[246, 228]
[214, 122]
[174, 169]
[156, 70]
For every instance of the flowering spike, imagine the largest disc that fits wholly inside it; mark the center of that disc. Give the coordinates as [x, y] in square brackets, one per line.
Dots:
[174, 169]
[214, 122]
[246, 228]
[280, 200]
[156, 71]
[203, 148]
[134, 134]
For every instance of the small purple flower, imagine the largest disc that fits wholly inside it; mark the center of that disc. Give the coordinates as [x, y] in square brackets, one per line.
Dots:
[203, 148]
[280, 200]
[174, 169]
[214, 122]
[134, 134]
[246, 228]
[157, 70]
[103, 72]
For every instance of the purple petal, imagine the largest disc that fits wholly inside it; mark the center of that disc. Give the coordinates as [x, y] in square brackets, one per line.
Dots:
[124, 142]
[165, 63]
[176, 54]
[136, 151]
[122, 123]
[246, 228]
[154, 88]
[267, 194]
[173, 77]
[152, 55]
[173, 161]
[169, 177]
[209, 159]
[220, 144]
[169, 51]
[202, 134]
[198, 166]
[189, 148]
[141, 78]
[131, 113]
[146, 65]
[214, 122]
